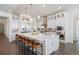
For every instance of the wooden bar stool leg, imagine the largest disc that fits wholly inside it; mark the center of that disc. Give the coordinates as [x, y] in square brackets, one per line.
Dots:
[36, 49]
[41, 50]
[23, 47]
[32, 49]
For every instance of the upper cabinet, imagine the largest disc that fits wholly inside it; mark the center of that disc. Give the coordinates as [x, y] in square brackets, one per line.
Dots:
[51, 21]
[60, 21]
[15, 23]
[41, 22]
[25, 23]
[55, 20]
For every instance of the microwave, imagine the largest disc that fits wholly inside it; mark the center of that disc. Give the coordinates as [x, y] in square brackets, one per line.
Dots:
[59, 28]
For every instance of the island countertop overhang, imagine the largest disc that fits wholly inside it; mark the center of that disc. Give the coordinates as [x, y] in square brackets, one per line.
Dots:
[40, 36]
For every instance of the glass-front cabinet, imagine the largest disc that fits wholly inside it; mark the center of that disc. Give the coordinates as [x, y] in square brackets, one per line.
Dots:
[25, 23]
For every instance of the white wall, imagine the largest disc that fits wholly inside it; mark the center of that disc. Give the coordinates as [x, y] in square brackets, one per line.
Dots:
[72, 14]
[5, 14]
[68, 28]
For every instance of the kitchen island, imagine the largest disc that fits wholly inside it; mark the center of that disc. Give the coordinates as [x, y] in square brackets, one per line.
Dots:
[50, 42]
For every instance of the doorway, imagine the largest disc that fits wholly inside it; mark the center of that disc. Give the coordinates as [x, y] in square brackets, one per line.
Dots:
[76, 28]
[1, 28]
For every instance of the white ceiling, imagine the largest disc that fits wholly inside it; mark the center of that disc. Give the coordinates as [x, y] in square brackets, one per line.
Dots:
[36, 9]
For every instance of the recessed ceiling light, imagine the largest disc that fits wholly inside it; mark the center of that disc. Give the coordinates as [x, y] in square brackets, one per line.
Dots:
[38, 17]
[9, 10]
[43, 5]
[31, 19]
[59, 7]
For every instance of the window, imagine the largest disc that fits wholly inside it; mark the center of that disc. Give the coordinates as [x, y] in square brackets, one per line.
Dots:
[62, 15]
[51, 17]
[58, 16]
[54, 17]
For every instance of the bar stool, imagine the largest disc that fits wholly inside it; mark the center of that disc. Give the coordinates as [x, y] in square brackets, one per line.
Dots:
[23, 42]
[29, 42]
[36, 45]
[20, 41]
[17, 37]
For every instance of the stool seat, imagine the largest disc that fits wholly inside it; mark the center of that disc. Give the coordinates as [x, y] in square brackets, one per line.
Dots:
[36, 45]
[23, 39]
[29, 42]
[20, 38]
[33, 44]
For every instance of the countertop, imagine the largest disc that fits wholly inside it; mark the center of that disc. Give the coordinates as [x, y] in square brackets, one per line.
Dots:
[40, 36]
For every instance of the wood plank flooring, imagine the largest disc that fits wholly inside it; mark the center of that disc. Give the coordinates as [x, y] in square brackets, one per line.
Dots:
[7, 48]
[68, 49]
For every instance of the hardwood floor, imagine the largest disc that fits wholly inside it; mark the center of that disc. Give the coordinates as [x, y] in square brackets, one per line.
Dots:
[7, 48]
[68, 49]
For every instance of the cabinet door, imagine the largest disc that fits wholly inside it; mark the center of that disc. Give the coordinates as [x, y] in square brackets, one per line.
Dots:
[60, 21]
[52, 44]
[50, 22]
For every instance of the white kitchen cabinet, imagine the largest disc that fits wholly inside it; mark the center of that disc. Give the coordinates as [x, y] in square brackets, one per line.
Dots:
[52, 44]
[51, 22]
[56, 20]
